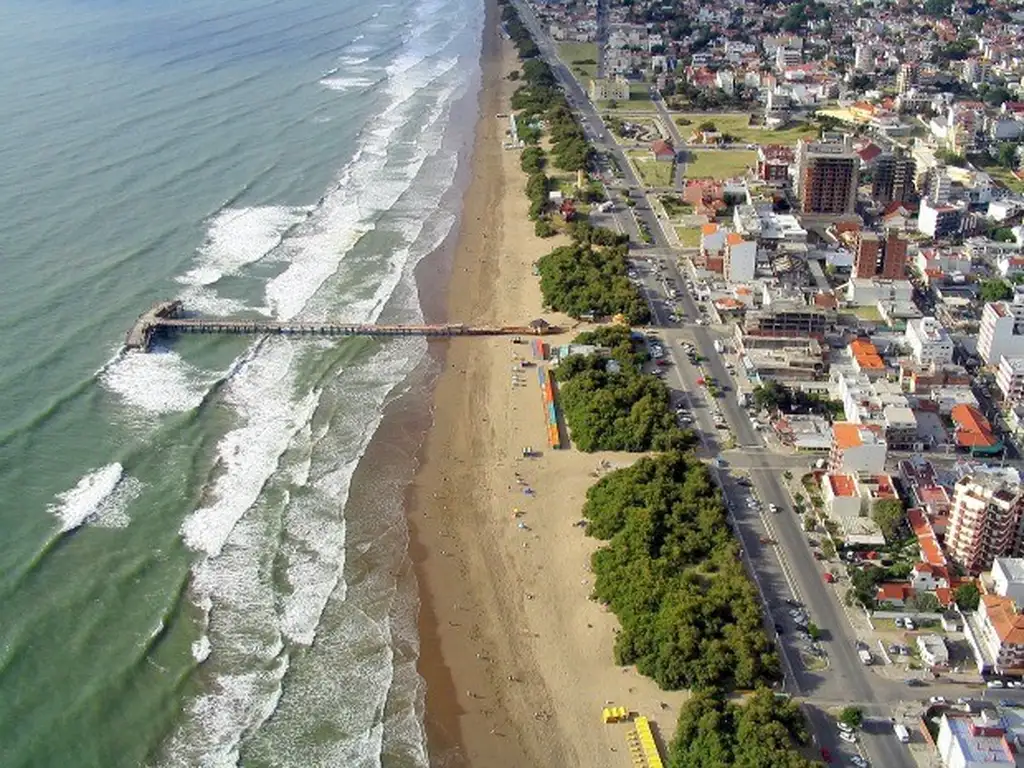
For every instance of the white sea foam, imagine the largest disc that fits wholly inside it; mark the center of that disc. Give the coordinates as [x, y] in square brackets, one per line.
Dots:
[100, 497]
[157, 382]
[261, 392]
[351, 83]
[350, 61]
[201, 649]
[206, 301]
[240, 236]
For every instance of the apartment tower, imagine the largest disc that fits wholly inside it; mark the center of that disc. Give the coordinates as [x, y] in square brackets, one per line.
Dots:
[827, 173]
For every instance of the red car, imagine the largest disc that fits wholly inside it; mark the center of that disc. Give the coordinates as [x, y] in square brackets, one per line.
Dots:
[829, 578]
[826, 755]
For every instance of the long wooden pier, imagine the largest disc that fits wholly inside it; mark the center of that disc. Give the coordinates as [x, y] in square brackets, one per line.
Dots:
[167, 316]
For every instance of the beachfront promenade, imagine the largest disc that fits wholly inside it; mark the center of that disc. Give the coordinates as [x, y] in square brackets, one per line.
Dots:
[168, 316]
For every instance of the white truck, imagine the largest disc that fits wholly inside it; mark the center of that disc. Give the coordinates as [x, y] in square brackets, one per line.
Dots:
[901, 733]
[719, 346]
[865, 657]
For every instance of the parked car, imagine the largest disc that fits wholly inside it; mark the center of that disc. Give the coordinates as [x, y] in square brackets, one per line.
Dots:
[915, 682]
[859, 761]
[848, 737]
[995, 684]
[845, 728]
[937, 700]
[829, 578]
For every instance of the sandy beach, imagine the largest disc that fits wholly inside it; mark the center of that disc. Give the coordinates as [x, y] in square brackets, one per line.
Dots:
[517, 659]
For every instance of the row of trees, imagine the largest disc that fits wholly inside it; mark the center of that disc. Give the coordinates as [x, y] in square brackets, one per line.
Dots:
[714, 732]
[671, 573]
[773, 396]
[610, 405]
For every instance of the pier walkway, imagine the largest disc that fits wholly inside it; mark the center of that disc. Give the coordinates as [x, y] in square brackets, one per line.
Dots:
[167, 317]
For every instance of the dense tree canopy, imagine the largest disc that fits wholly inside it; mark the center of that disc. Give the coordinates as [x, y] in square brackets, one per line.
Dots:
[967, 597]
[763, 732]
[617, 408]
[996, 289]
[579, 279]
[672, 575]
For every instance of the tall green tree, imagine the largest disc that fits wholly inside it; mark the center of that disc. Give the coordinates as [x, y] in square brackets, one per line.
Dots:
[888, 514]
[967, 597]
[996, 289]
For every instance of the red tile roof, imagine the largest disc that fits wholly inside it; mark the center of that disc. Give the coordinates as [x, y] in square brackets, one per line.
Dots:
[846, 434]
[972, 428]
[842, 485]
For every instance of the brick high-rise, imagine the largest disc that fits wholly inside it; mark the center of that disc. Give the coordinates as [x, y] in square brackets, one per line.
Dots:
[827, 175]
[878, 257]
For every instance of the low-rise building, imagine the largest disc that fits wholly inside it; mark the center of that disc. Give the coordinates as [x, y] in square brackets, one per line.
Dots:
[996, 635]
[609, 89]
[977, 741]
[849, 498]
[933, 650]
[929, 341]
[973, 432]
[857, 448]
[740, 258]
[1008, 578]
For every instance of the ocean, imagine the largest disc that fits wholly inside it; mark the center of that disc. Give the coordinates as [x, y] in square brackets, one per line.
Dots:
[187, 577]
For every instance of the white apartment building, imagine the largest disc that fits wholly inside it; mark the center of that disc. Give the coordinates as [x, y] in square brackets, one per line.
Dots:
[983, 520]
[998, 635]
[978, 741]
[933, 650]
[1010, 378]
[1008, 578]
[609, 89]
[929, 341]
[1002, 330]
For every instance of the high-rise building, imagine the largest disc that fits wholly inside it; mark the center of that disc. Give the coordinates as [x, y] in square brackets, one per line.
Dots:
[906, 78]
[939, 185]
[863, 58]
[827, 174]
[1002, 330]
[983, 520]
[878, 256]
[893, 179]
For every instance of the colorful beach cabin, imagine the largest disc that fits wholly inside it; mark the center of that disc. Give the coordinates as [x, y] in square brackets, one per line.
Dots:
[614, 715]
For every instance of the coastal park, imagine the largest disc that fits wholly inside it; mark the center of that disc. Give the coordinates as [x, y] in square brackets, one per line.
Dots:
[737, 125]
[718, 164]
[581, 59]
[653, 173]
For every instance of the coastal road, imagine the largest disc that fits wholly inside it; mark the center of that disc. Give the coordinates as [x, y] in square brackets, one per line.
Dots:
[847, 679]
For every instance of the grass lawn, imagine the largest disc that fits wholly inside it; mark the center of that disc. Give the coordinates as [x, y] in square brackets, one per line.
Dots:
[635, 104]
[689, 237]
[652, 172]
[570, 53]
[736, 123]
[870, 314]
[1003, 175]
[718, 164]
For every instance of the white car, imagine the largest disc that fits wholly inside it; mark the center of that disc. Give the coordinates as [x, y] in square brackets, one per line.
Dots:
[844, 727]
[773, 508]
[848, 737]
[995, 684]
[937, 700]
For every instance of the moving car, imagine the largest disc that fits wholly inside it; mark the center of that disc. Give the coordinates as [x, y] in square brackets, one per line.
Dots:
[773, 508]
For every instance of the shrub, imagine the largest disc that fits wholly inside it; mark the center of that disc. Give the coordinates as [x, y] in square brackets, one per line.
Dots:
[543, 228]
[671, 572]
[579, 279]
